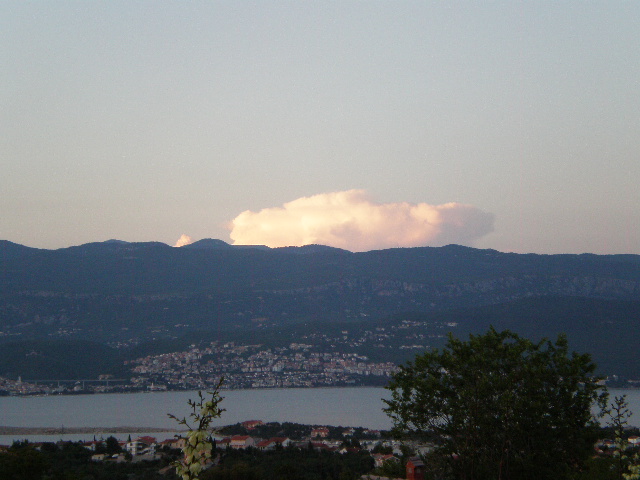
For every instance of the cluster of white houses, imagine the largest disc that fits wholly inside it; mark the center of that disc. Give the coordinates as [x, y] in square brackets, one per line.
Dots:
[148, 448]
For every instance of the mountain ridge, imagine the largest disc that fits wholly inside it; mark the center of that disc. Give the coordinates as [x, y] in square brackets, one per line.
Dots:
[126, 293]
[112, 290]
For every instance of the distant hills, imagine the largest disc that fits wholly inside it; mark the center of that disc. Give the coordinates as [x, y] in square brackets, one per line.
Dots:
[126, 293]
[444, 275]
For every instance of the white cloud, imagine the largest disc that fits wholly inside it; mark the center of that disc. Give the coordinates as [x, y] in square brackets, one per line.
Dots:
[183, 240]
[351, 220]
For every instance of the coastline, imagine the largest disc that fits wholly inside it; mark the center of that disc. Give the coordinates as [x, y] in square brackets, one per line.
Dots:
[207, 389]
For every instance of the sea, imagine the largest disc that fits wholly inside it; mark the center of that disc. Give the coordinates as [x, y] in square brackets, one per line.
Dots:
[347, 407]
[353, 407]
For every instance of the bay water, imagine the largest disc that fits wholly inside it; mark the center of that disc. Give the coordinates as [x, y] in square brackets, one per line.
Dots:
[319, 406]
[343, 406]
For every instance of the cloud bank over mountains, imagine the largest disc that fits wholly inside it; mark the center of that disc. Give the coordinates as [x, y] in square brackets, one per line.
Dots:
[353, 221]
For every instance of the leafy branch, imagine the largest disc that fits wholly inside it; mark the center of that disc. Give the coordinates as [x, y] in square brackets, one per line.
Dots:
[198, 443]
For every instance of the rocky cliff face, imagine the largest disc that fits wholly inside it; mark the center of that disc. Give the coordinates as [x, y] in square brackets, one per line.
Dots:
[364, 291]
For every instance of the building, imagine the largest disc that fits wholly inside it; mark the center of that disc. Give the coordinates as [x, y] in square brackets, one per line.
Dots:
[141, 445]
[242, 441]
[415, 469]
[379, 459]
[251, 424]
[273, 443]
[322, 432]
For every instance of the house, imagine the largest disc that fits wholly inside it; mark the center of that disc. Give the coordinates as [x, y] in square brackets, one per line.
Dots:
[380, 458]
[251, 424]
[322, 432]
[148, 440]
[172, 443]
[264, 445]
[344, 450]
[93, 445]
[133, 447]
[141, 445]
[103, 457]
[242, 441]
[320, 446]
[415, 469]
[273, 442]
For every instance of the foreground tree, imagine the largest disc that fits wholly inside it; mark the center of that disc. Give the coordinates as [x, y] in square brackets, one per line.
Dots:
[619, 414]
[626, 462]
[198, 443]
[499, 406]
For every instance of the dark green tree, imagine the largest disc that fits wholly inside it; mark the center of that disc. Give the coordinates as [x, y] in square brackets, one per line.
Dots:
[499, 406]
[112, 446]
[21, 462]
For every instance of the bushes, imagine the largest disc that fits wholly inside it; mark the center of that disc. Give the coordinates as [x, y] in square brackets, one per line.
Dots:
[290, 464]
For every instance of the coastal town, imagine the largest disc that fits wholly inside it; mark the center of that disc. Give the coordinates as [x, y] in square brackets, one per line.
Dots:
[341, 358]
[242, 366]
[315, 359]
[250, 366]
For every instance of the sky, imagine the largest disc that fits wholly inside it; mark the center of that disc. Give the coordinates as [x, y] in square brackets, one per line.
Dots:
[506, 125]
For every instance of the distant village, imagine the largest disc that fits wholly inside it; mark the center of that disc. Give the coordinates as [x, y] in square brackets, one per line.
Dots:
[252, 366]
[315, 360]
[319, 362]
[243, 366]
[251, 435]
[256, 435]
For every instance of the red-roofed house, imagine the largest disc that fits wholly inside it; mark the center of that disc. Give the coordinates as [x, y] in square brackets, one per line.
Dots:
[380, 458]
[141, 446]
[323, 447]
[242, 441]
[251, 424]
[320, 432]
[147, 440]
[93, 445]
[273, 442]
[173, 443]
[415, 469]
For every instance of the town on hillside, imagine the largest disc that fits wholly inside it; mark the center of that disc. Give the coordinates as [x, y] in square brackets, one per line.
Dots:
[316, 360]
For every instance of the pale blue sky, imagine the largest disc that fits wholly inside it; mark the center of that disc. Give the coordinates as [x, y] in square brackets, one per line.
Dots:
[147, 120]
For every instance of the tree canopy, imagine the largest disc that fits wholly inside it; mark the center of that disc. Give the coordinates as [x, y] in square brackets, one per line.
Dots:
[499, 406]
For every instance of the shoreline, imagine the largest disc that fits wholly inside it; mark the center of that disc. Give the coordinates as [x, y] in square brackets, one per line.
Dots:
[7, 430]
[222, 390]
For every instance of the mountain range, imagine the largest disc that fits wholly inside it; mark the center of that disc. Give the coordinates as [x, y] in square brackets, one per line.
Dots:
[123, 294]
